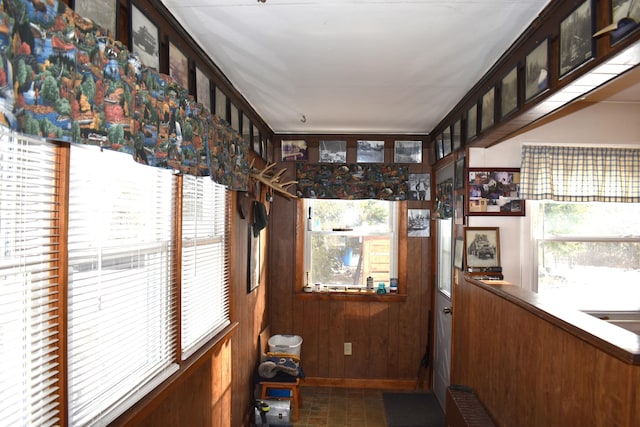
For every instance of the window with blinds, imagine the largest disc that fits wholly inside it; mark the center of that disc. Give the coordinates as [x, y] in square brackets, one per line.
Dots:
[121, 293]
[29, 255]
[205, 280]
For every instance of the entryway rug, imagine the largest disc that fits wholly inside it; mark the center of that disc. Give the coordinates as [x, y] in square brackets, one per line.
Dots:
[412, 410]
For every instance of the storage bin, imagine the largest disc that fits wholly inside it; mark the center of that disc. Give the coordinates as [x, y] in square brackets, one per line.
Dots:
[278, 414]
[285, 344]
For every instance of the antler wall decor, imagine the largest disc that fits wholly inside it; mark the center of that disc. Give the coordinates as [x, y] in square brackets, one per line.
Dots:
[271, 179]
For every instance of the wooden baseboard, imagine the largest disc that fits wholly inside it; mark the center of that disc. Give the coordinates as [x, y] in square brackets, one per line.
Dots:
[360, 383]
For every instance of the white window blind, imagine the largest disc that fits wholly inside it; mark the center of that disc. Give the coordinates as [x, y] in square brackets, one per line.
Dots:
[29, 291]
[122, 302]
[205, 272]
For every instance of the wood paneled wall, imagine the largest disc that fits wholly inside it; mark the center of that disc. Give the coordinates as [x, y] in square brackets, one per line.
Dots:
[388, 338]
[531, 371]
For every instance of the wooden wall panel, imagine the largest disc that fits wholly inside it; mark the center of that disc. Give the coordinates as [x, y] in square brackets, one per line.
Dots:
[388, 338]
[530, 371]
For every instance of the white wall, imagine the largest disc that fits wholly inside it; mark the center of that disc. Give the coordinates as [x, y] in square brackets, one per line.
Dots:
[601, 124]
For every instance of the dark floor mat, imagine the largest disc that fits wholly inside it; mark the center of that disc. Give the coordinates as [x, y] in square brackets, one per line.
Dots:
[413, 410]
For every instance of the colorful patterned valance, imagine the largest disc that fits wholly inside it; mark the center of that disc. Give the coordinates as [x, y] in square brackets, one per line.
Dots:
[352, 181]
[62, 77]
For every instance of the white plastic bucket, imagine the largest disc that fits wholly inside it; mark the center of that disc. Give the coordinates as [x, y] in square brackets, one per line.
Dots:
[285, 344]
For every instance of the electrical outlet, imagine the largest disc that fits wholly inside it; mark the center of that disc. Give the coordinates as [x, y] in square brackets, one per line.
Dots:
[347, 349]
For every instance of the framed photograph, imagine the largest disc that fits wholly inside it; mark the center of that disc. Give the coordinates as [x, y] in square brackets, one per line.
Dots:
[494, 192]
[253, 266]
[537, 70]
[295, 150]
[144, 39]
[370, 151]
[458, 254]
[456, 136]
[576, 38]
[488, 109]
[235, 117]
[407, 152]
[509, 93]
[103, 13]
[419, 223]
[419, 186]
[220, 104]
[472, 122]
[458, 210]
[459, 178]
[203, 89]
[482, 247]
[245, 124]
[437, 152]
[446, 141]
[626, 16]
[178, 66]
[333, 151]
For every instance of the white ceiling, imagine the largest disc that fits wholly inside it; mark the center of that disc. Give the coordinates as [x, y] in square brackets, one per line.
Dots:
[354, 66]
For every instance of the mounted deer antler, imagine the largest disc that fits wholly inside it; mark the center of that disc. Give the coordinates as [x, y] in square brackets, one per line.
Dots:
[268, 178]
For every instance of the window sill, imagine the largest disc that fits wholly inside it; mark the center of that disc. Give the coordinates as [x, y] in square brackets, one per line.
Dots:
[350, 296]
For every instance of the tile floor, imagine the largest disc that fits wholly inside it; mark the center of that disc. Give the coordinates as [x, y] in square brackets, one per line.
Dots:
[341, 407]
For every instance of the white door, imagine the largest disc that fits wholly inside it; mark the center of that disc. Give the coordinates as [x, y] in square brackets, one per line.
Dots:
[443, 315]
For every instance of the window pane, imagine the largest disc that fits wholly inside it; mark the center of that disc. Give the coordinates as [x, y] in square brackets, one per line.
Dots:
[349, 240]
[121, 300]
[362, 216]
[589, 254]
[29, 289]
[205, 275]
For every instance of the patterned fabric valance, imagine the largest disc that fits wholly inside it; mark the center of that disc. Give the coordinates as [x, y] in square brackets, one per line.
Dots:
[64, 78]
[352, 181]
[580, 174]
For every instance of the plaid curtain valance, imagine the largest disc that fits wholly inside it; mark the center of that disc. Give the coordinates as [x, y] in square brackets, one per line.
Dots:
[580, 174]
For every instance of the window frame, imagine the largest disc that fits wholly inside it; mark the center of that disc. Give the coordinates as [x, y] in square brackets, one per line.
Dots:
[58, 259]
[539, 237]
[402, 273]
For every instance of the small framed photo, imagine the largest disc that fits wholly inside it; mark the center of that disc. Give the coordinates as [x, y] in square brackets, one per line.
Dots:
[458, 210]
[419, 223]
[488, 109]
[370, 151]
[408, 152]
[235, 117]
[333, 151]
[576, 38]
[459, 178]
[144, 39]
[419, 186]
[458, 254]
[482, 247]
[295, 150]
[103, 13]
[456, 136]
[446, 141]
[178, 66]
[494, 192]
[203, 89]
[626, 17]
[472, 122]
[436, 149]
[509, 93]
[220, 104]
[537, 70]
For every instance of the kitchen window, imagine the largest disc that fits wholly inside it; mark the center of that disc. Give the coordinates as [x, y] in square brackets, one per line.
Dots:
[347, 241]
[587, 254]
